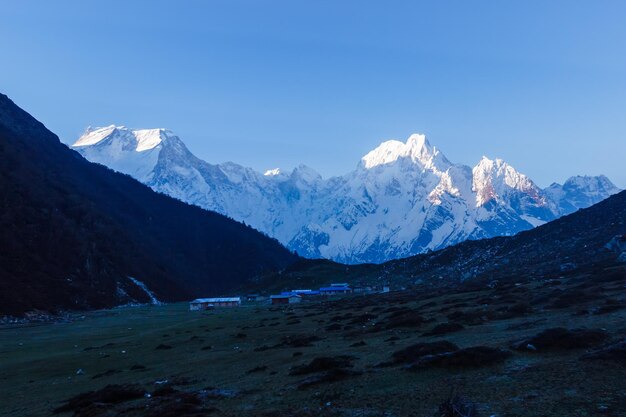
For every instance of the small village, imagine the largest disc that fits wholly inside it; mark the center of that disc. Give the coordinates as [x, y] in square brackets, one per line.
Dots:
[285, 297]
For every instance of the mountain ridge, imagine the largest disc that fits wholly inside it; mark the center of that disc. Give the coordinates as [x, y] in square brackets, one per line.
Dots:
[590, 242]
[403, 198]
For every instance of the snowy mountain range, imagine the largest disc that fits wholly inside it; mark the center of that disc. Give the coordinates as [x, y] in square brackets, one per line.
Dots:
[402, 199]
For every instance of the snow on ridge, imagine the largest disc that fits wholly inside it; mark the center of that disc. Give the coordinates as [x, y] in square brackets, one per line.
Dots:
[144, 287]
[381, 210]
[492, 179]
[148, 138]
[93, 136]
[145, 139]
[417, 148]
[272, 172]
[385, 153]
[591, 183]
[132, 152]
[304, 174]
[533, 221]
[580, 191]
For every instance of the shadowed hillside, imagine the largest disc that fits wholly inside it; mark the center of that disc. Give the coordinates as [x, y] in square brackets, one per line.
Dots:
[72, 232]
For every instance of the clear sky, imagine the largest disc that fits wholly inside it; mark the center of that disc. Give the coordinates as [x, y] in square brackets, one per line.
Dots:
[541, 84]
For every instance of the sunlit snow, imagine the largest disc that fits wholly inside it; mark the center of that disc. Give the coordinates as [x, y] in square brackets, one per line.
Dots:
[403, 198]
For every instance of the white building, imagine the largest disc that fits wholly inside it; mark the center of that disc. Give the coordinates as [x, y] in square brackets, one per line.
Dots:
[208, 303]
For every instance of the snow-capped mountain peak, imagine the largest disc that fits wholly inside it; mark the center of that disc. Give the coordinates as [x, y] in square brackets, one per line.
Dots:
[580, 191]
[494, 179]
[305, 174]
[149, 138]
[93, 136]
[417, 149]
[144, 139]
[404, 197]
[272, 172]
[132, 151]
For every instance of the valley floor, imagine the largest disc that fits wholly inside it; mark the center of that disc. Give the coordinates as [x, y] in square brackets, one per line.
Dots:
[332, 357]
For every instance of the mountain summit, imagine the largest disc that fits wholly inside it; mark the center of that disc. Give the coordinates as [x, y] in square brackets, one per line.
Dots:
[403, 198]
[417, 150]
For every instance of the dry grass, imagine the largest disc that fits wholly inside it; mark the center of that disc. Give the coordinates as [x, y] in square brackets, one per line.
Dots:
[254, 354]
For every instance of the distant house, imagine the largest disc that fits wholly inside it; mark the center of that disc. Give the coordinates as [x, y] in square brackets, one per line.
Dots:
[306, 293]
[254, 297]
[335, 289]
[362, 290]
[287, 298]
[208, 303]
[386, 288]
[341, 284]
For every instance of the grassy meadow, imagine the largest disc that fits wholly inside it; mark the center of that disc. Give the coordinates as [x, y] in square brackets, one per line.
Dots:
[326, 357]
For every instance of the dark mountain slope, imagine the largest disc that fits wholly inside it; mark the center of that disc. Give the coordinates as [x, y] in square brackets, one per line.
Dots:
[71, 232]
[574, 242]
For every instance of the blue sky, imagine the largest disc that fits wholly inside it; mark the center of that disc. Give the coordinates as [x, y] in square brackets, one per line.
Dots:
[278, 83]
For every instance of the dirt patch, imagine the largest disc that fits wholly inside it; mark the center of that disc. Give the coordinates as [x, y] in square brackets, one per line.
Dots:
[518, 309]
[333, 375]
[257, 369]
[363, 318]
[300, 340]
[402, 319]
[472, 357]
[444, 328]
[168, 402]
[525, 325]
[610, 306]
[613, 352]
[107, 345]
[457, 407]
[560, 338]
[333, 327]
[164, 391]
[573, 297]
[470, 317]
[322, 364]
[89, 403]
[163, 346]
[328, 370]
[413, 353]
[106, 373]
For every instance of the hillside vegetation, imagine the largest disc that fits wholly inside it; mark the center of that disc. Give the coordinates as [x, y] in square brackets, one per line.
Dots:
[72, 232]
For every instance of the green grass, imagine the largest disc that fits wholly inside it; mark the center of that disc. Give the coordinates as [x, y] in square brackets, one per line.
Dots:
[39, 362]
